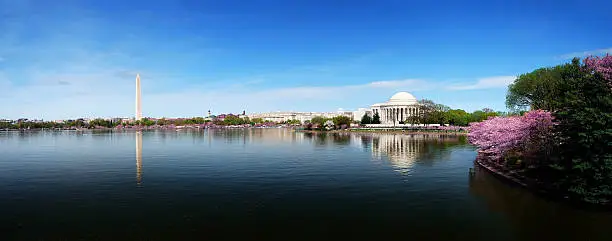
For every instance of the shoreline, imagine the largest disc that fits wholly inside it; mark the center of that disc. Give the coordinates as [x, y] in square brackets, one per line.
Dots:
[377, 131]
[538, 189]
[139, 128]
[406, 132]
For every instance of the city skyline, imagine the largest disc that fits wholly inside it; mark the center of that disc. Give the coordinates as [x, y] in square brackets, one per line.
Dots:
[69, 59]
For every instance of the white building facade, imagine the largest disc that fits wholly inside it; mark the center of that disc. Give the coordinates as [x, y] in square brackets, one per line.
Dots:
[301, 116]
[360, 112]
[400, 107]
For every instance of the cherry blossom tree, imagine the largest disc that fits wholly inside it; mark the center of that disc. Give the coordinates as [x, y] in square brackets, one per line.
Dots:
[602, 65]
[498, 135]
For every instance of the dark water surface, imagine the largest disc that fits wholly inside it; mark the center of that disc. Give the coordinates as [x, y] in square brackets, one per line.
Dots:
[266, 184]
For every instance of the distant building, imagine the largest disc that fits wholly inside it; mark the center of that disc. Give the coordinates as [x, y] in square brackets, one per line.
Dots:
[301, 116]
[222, 117]
[398, 108]
[359, 113]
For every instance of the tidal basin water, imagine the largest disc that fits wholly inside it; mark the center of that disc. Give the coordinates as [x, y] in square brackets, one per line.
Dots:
[266, 184]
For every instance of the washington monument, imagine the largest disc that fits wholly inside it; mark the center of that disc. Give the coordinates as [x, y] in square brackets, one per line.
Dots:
[138, 105]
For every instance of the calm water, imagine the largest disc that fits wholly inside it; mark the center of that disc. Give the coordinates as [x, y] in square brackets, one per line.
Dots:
[266, 184]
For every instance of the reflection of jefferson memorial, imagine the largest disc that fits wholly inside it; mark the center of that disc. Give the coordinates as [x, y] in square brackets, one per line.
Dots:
[401, 150]
[401, 106]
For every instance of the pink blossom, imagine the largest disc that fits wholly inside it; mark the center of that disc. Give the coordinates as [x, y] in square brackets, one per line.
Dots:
[602, 65]
[498, 135]
[452, 128]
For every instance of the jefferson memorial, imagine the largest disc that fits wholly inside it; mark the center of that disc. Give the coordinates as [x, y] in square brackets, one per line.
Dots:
[401, 106]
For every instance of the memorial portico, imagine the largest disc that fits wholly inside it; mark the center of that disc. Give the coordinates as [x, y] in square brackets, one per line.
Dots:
[400, 107]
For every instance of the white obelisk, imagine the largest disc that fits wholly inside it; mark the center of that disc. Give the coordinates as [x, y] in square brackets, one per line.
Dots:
[138, 106]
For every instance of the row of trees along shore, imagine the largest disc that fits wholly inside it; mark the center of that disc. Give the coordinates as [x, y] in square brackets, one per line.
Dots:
[322, 123]
[102, 123]
[564, 142]
[432, 113]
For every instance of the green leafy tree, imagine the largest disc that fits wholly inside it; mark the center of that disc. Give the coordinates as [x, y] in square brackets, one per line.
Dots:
[163, 122]
[199, 120]
[413, 119]
[339, 121]
[579, 95]
[480, 115]
[457, 117]
[585, 133]
[438, 114]
[442, 108]
[376, 119]
[180, 122]
[318, 120]
[294, 122]
[147, 122]
[426, 110]
[100, 122]
[536, 90]
[437, 117]
[189, 121]
[366, 119]
[79, 123]
[234, 120]
[429, 113]
[6, 125]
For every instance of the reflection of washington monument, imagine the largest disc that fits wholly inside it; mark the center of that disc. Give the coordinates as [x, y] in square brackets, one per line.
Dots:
[138, 134]
[138, 157]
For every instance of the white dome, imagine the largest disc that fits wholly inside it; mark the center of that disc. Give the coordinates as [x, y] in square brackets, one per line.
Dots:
[403, 97]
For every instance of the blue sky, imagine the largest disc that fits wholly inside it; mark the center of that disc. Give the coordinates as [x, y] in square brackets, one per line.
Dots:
[66, 59]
